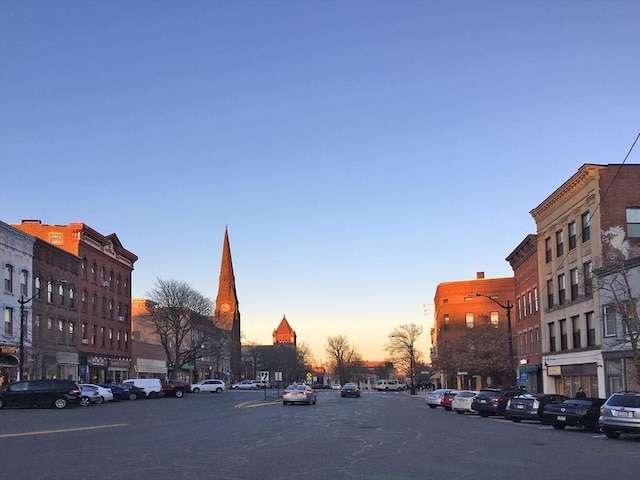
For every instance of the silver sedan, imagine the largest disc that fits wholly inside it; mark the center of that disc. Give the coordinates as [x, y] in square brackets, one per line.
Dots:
[299, 393]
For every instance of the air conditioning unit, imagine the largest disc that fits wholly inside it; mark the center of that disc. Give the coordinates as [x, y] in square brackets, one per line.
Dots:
[120, 318]
[105, 284]
[84, 341]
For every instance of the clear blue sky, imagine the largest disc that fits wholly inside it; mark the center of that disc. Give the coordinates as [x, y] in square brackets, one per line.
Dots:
[360, 152]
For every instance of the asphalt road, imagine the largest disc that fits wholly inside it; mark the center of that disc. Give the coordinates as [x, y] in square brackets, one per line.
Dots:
[240, 436]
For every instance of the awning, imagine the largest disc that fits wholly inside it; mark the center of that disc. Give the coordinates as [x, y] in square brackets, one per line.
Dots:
[8, 360]
[534, 367]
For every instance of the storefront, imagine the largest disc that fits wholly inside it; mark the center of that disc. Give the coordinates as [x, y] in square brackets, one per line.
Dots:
[567, 379]
[8, 364]
[530, 377]
[150, 368]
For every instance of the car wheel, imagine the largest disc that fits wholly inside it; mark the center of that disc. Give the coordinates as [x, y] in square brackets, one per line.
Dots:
[218, 390]
[611, 433]
[196, 390]
[133, 396]
[432, 406]
[99, 400]
[60, 403]
[559, 426]
[85, 401]
[448, 409]
[235, 388]
[460, 412]
[516, 420]
[153, 394]
[179, 393]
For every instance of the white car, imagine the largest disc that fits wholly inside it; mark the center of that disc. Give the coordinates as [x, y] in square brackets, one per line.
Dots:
[245, 385]
[212, 385]
[434, 398]
[462, 401]
[105, 393]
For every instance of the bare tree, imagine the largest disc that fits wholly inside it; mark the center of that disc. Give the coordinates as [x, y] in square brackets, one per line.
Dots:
[345, 356]
[402, 349]
[179, 315]
[619, 284]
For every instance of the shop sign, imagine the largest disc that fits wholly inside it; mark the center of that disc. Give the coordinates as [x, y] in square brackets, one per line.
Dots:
[555, 370]
[8, 349]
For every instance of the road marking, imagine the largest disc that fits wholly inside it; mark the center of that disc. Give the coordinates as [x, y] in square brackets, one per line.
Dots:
[47, 432]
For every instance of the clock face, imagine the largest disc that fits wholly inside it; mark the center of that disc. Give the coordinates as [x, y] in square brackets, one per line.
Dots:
[225, 307]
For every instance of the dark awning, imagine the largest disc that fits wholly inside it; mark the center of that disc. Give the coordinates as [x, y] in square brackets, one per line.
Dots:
[8, 360]
[530, 368]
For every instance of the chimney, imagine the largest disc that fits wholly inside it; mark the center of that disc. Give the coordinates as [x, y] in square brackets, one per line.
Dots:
[479, 275]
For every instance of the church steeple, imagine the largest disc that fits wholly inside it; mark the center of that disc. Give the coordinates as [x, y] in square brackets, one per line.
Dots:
[227, 312]
[284, 334]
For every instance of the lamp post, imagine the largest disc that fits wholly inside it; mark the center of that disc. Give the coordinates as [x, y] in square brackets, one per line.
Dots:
[22, 301]
[508, 308]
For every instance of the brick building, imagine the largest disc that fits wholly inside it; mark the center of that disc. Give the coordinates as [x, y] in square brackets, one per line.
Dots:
[102, 296]
[458, 308]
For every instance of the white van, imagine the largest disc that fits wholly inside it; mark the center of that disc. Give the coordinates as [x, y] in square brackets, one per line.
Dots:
[386, 385]
[151, 386]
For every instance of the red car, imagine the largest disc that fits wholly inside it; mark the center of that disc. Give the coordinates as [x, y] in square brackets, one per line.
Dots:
[447, 399]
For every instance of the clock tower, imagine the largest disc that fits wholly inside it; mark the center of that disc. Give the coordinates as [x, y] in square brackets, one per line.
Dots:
[226, 313]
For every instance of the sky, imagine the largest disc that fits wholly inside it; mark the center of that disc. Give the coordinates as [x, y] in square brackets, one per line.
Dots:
[359, 152]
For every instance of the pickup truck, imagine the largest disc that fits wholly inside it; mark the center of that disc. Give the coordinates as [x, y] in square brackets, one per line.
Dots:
[175, 388]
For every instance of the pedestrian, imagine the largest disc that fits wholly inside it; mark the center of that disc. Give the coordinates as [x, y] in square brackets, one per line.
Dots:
[580, 393]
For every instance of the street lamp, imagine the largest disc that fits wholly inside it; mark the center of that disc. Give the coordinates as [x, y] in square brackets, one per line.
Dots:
[508, 308]
[22, 302]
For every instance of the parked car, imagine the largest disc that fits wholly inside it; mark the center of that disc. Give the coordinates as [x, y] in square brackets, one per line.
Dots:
[40, 393]
[299, 393]
[212, 385]
[105, 393]
[386, 385]
[620, 414]
[350, 390]
[447, 399]
[434, 398]
[574, 412]
[529, 406]
[119, 392]
[152, 386]
[261, 383]
[493, 401]
[175, 388]
[129, 391]
[462, 401]
[245, 385]
[336, 386]
[89, 395]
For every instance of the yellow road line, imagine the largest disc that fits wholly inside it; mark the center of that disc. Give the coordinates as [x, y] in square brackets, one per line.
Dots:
[46, 432]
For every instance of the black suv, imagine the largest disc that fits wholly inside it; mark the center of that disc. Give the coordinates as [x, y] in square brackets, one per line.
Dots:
[493, 401]
[40, 393]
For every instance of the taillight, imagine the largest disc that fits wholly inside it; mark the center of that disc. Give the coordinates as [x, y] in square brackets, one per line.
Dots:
[536, 404]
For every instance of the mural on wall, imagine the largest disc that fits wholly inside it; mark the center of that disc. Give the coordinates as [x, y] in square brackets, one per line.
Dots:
[618, 244]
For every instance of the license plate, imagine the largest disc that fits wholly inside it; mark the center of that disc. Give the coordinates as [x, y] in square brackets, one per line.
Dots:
[561, 418]
[521, 407]
[483, 401]
[617, 413]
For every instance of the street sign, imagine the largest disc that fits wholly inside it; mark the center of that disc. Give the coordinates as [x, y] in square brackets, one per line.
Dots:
[278, 376]
[309, 376]
[463, 373]
[264, 375]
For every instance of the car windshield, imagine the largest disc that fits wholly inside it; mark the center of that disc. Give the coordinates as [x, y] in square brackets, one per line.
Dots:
[629, 401]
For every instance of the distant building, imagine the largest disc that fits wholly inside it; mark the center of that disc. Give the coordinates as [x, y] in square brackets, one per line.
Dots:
[284, 334]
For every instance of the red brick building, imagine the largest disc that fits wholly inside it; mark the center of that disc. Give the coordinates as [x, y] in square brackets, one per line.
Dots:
[458, 308]
[103, 296]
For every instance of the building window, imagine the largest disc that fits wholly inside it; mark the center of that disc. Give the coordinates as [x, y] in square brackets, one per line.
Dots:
[61, 295]
[103, 336]
[562, 289]
[573, 232]
[530, 297]
[94, 273]
[119, 284]
[94, 304]
[103, 309]
[520, 312]
[573, 274]
[103, 275]
[72, 333]
[119, 339]
[535, 299]
[469, 319]
[83, 268]
[24, 276]
[72, 298]
[559, 243]
[38, 285]
[111, 338]
[609, 317]
[111, 309]
[552, 337]
[564, 343]
[591, 330]
[446, 322]
[61, 331]
[633, 222]
[8, 278]
[8, 321]
[587, 268]
[586, 227]
[495, 319]
[83, 301]
[94, 334]
[126, 340]
[50, 292]
[575, 329]
[549, 293]
[84, 331]
[547, 249]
